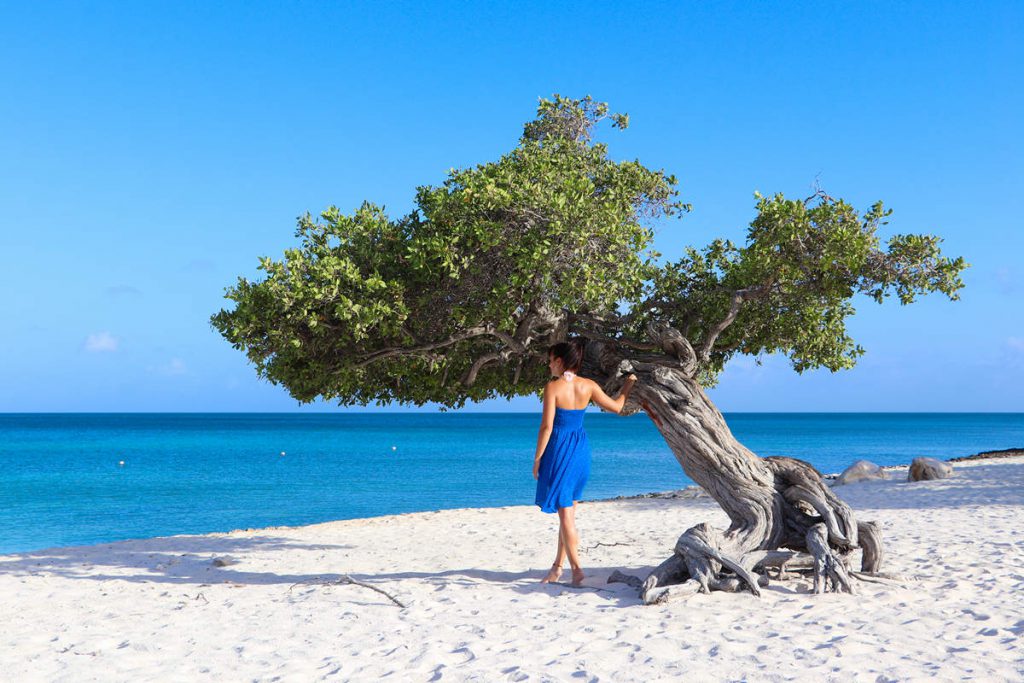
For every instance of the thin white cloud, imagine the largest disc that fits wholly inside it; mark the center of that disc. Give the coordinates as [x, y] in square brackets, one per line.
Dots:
[173, 368]
[101, 342]
[1015, 344]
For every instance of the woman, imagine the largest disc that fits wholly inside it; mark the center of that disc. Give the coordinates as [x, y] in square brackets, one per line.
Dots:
[562, 462]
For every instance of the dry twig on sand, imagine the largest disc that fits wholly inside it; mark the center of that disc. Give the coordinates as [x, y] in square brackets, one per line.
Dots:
[599, 545]
[346, 579]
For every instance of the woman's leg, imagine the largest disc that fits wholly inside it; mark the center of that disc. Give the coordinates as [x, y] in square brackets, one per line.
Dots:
[570, 540]
[555, 572]
[560, 555]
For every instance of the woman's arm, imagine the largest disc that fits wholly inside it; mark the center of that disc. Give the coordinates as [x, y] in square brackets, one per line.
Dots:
[547, 422]
[613, 405]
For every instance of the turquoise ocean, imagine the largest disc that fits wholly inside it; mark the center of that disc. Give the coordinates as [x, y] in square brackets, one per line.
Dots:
[63, 482]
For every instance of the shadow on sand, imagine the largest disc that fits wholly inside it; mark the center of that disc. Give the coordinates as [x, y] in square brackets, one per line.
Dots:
[171, 559]
[190, 561]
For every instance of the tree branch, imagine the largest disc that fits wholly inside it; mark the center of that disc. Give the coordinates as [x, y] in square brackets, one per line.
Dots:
[621, 341]
[469, 333]
[595, 320]
[709, 341]
[470, 376]
[645, 306]
[672, 342]
[607, 324]
[739, 296]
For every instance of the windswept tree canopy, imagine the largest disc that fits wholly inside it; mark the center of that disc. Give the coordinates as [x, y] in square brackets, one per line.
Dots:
[459, 299]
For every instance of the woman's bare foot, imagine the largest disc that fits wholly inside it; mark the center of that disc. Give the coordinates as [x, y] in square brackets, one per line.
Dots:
[577, 576]
[553, 575]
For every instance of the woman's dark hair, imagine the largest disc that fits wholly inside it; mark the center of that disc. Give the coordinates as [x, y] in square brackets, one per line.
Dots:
[570, 352]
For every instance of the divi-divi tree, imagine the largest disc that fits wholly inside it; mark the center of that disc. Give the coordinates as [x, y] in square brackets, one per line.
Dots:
[460, 299]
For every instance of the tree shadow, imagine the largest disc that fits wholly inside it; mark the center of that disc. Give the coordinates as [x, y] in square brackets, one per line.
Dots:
[171, 560]
[528, 582]
[190, 560]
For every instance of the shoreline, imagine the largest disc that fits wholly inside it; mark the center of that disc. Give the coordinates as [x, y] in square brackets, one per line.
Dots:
[692, 492]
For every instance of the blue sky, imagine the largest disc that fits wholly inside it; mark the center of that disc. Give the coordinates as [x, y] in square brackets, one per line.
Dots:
[150, 152]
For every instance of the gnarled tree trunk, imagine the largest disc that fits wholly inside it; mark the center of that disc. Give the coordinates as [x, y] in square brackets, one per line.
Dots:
[774, 504]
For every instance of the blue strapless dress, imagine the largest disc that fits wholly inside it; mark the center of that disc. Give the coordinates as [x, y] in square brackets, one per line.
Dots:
[565, 464]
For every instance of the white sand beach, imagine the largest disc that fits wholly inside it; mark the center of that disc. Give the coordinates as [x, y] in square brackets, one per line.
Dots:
[160, 609]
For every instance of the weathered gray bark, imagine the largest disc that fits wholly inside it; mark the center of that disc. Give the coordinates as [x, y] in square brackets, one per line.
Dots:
[772, 503]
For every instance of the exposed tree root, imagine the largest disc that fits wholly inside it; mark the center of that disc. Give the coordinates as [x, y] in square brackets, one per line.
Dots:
[629, 579]
[670, 574]
[819, 529]
[703, 551]
[871, 547]
[828, 566]
[887, 579]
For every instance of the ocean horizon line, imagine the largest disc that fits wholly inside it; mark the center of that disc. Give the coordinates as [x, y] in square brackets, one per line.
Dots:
[491, 412]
